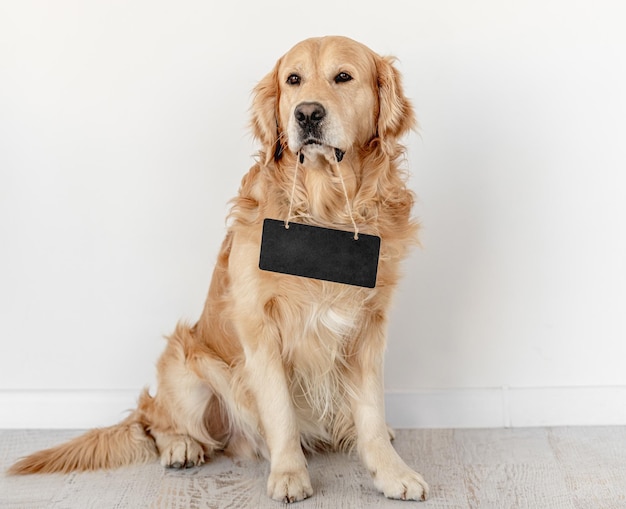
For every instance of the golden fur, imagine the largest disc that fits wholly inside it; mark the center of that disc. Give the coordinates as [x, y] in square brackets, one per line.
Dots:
[277, 364]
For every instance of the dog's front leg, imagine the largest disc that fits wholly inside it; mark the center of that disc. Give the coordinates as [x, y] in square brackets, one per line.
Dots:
[289, 479]
[391, 474]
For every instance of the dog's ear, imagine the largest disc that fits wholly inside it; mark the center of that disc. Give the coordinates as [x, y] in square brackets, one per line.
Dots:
[264, 112]
[395, 116]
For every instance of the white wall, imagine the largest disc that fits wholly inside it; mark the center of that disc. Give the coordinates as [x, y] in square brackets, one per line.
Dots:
[123, 135]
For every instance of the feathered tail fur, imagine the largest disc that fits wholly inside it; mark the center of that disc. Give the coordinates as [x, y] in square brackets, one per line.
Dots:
[115, 446]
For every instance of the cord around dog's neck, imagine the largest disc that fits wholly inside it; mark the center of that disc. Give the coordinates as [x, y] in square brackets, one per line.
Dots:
[299, 157]
[335, 164]
[345, 193]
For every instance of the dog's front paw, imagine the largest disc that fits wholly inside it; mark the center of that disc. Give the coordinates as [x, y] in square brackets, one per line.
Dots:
[290, 486]
[401, 483]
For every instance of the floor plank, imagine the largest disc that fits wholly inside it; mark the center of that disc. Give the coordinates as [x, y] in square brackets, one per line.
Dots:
[534, 468]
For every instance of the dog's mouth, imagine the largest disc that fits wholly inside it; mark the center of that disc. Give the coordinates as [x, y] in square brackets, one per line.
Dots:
[327, 150]
[339, 154]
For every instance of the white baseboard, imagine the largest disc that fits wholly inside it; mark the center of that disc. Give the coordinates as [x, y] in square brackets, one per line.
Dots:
[508, 407]
[445, 408]
[71, 409]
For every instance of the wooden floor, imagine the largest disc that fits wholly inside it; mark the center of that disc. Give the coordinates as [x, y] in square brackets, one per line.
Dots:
[537, 468]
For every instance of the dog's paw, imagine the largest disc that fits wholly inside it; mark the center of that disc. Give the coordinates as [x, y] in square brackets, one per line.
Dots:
[401, 483]
[290, 486]
[180, 451]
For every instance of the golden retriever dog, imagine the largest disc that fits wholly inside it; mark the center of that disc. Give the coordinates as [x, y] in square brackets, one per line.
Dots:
[280, 365]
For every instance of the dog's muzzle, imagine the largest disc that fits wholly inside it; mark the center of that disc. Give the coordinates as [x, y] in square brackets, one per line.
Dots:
[310, 117]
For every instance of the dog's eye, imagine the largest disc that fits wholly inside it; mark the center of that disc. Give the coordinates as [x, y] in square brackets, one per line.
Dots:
[342, 77]
[294, 79]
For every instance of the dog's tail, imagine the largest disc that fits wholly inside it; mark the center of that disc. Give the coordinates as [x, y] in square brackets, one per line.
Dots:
[103, 448]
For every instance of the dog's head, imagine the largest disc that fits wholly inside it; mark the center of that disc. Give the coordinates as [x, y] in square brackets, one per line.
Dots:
[328, 96]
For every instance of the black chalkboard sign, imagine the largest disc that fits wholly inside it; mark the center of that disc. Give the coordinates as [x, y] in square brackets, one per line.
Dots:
[319, 253]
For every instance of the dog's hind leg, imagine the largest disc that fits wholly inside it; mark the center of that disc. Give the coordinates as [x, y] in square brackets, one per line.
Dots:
[179, 451]
[186, 417]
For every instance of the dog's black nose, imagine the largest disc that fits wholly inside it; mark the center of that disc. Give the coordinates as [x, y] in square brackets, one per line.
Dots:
[309, 114]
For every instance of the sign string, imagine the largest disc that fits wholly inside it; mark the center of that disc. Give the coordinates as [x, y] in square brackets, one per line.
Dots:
[343, 187]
